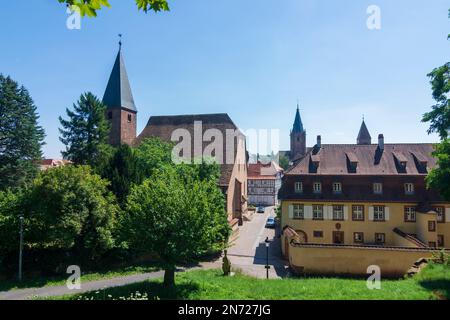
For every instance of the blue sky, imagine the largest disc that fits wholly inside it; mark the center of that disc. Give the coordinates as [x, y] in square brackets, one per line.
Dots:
[249, 58]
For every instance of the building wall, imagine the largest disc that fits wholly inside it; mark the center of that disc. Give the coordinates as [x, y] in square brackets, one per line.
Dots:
[395, 219]
[393, 262]
[122, 131]
[239, 173]
[262, 192]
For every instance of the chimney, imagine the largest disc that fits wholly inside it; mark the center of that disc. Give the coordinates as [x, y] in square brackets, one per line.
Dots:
[381, 142]
[319, 142]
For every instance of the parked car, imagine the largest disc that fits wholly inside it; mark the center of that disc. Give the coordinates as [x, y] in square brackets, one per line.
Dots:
[261, 209]
[271, 223]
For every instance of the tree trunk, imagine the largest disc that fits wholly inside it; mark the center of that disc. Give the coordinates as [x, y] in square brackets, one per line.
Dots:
[169, 277]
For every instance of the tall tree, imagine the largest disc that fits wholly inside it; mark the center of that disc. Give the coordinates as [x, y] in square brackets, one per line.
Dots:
[176, 215]
[439, 119]
[21, 138]
[90, 7]
[123, 170]
[85, 133]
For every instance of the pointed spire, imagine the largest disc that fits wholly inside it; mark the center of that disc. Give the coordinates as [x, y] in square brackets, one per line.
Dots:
[298, 125]
[118, 93]
[364, 137]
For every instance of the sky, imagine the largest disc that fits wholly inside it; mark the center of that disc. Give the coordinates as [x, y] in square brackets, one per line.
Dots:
[252, 59]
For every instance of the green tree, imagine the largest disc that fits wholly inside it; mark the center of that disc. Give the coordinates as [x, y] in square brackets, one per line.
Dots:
[21, 138]
[90, 7]
[284, 162]
[177, 216]
[123, 170]
[71, 208]
[85, 133]
[10, 210]
[154, 153]
[439, 119]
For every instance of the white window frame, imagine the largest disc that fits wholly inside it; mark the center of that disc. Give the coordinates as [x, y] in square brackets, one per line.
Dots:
[384, 238]
[410, 214]
[379, 213]
[318, 212]
[338, 215]
[319, 189]
[409, 188]
[378, 188]
[299, 212]
[298, 187]
[337, 187]
[359, 213]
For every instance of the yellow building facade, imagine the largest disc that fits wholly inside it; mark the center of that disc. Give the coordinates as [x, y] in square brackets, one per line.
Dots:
[347, 207]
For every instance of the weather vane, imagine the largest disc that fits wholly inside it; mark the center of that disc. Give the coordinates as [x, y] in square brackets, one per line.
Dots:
[120, 40]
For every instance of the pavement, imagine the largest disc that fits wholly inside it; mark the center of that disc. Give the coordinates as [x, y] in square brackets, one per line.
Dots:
[247, 254]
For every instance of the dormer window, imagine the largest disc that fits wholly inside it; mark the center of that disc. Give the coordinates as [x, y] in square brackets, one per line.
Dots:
[337, 188]
[299, 187]
[378, 188]
[409, 188]
[317, 187]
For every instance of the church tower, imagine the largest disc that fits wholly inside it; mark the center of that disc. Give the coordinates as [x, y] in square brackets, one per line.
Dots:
[364, 137]
[121, 110]
[298, 138]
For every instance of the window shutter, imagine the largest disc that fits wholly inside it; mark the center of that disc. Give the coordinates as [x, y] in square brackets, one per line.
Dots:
[308, 212]
[345, 212]
[447, 215]
[291, 211]
[371, 213]
[386, 213]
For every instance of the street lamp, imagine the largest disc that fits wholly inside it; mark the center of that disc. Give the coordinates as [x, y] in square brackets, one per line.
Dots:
[267, 256]
[21, 247]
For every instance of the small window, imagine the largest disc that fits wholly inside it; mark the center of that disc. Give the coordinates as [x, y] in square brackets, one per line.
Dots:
[380, 238]
[409, 188]
[358, 213]
[378, 188]
[337, 187]
[378, 213]
[410, 214]
[440, 216]
[318, 212]
[130, 118]
[299, 187]
[318, 234]
[338, 212]
[299, 211]
[358, 237]
[317, 187]
[440, 239]
[431, 226]
[432, 244]
[110, 115]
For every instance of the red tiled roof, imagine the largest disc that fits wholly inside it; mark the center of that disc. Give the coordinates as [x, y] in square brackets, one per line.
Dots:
[335, 159]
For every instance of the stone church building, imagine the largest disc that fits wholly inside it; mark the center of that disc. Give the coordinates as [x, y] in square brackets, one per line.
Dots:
[122, 114]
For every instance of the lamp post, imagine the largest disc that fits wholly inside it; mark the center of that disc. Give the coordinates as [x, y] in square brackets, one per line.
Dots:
[21, 247]
[267, 257]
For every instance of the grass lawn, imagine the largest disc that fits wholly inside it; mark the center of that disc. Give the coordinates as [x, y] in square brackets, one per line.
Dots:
[6, 285]
[432, 283]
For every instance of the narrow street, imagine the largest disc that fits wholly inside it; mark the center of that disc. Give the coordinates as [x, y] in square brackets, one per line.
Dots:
[249, 252]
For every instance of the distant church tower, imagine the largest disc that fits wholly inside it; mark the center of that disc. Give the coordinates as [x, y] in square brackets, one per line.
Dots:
[298, 138]
[121, 111]
[364, 137]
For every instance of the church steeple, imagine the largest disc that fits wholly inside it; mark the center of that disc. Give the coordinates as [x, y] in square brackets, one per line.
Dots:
[364, 137]
[118, 98]
[298, 137]
[298, 125]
